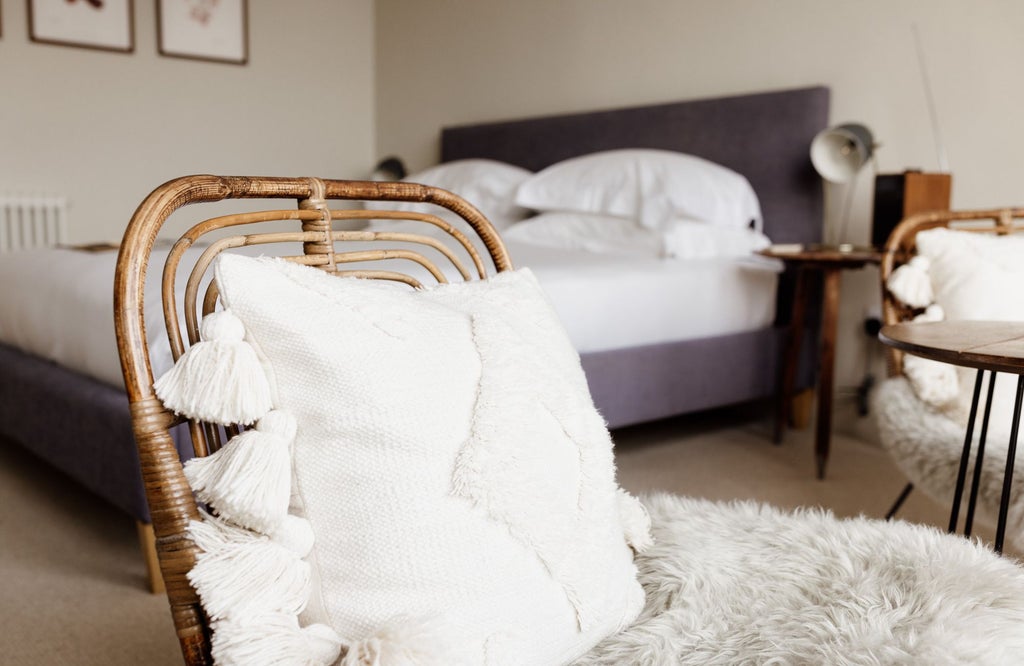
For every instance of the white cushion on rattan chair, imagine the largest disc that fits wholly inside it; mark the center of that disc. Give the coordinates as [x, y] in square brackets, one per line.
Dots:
[975, 276]
[448, 456]
[744, 583]
[926, 445]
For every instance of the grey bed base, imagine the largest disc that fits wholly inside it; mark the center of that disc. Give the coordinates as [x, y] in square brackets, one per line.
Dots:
[642, 384]
[76, 423]
[82, 427]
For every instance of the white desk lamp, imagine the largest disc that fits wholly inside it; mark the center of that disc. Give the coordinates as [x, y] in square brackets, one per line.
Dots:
[838, 154]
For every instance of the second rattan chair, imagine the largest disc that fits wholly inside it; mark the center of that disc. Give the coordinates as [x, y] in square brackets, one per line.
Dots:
[924, 437]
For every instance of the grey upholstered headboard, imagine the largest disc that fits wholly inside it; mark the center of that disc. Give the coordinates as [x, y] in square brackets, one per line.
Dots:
[764, 136]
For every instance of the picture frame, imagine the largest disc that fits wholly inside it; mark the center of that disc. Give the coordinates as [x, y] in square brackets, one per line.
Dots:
[209, 30]
[106, 25]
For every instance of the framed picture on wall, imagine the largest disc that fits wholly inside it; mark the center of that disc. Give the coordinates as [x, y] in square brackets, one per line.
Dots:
[214, 30]
[94, 24]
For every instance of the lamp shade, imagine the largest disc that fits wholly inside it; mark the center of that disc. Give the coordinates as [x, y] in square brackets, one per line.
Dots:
[839, 152]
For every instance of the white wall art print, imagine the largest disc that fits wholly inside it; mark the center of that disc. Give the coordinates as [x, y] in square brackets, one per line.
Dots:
[96, 24]
[213, 30]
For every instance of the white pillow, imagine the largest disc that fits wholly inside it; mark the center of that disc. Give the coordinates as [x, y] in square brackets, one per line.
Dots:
[604, 234]
[588, 232]
[974, 277]
[448, 457]
[651, 186]
[487, 184]
[684, 239]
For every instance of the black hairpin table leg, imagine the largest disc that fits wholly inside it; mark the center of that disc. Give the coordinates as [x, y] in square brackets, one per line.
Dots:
[909, 488]
[979, 458]
[1011, 454]
[961, 475]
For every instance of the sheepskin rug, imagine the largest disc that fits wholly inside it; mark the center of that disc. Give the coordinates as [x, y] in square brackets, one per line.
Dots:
[744, 583]
[926, 446]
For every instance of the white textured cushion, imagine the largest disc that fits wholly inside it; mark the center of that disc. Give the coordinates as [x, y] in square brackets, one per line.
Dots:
[650, 186]
[974, 277]
[487, 184]
[971, 273]
[448, 456]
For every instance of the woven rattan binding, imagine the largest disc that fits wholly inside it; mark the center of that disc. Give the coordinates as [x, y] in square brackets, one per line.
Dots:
[901, 247]
[171, 502]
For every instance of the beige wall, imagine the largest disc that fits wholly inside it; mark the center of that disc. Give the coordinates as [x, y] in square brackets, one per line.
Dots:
[453, 61]
[105, 128]
[445, 62]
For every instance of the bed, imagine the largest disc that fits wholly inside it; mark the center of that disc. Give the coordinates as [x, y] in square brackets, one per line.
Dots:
[80, 423]
[763, 136]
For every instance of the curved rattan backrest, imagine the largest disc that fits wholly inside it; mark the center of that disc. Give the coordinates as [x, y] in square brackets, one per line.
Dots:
[902, 245]
[170, 499]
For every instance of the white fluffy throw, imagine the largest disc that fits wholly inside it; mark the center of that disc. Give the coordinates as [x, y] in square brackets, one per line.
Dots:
[744, 583]
[926, 446]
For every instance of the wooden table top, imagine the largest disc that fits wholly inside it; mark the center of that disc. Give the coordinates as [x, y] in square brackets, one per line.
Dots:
[988, 345]
[843, 256]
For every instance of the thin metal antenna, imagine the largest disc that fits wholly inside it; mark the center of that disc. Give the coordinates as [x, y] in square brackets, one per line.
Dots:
[939, 148]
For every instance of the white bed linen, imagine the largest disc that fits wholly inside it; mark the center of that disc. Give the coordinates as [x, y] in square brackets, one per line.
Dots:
[608, 302]
[58, 304]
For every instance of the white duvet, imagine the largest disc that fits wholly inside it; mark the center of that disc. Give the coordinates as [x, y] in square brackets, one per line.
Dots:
[58, 304]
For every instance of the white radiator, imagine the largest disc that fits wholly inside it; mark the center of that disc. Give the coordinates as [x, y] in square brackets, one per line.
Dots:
[28, 221]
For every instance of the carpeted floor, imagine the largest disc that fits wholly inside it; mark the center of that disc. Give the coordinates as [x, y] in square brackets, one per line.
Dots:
[73, 576]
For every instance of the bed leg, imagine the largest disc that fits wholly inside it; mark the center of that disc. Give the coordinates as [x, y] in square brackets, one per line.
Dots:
[800, 409]
[147, 541]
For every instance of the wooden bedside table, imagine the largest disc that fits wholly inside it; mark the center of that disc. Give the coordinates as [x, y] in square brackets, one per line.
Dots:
[829, 260]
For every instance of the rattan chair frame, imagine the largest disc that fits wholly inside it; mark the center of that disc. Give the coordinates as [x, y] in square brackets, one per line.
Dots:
[901, 247]
[172, 505]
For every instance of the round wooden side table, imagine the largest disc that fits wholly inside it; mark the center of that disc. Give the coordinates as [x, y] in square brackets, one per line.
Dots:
[830, 261]
[987, 346]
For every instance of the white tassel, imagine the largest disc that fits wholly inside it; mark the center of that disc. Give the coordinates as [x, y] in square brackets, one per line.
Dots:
[273, 640]
[935, 383]
[249, 480]
[213, 534]
[933, 312]
[910, 283]
[240, 574]
[295, 534]
[636, 523]
[219, 379]
[406, 642]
